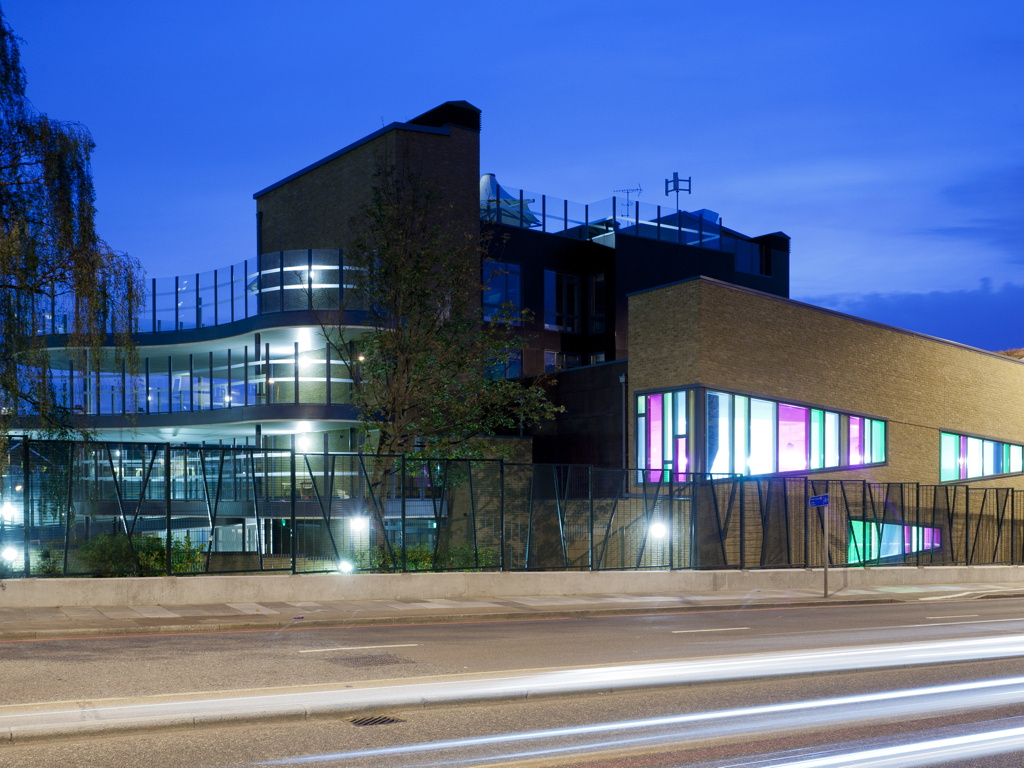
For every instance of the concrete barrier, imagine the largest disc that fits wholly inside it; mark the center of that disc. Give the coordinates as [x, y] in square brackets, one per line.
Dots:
[179, 590]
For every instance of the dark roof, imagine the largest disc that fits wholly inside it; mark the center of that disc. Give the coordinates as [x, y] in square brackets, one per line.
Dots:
[460, 113]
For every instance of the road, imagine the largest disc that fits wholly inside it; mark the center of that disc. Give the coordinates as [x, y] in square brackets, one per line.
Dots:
[783, 719]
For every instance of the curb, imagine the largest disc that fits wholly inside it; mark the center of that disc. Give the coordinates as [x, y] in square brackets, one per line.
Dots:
[452, 618]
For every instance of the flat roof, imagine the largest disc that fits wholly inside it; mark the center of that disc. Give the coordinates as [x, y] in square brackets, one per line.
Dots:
[826, 311]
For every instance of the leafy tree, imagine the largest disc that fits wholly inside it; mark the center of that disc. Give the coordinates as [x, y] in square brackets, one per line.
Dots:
[60, 284]
[428, 372]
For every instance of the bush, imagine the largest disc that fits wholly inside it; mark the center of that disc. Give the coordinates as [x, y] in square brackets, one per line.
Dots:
[110, 554]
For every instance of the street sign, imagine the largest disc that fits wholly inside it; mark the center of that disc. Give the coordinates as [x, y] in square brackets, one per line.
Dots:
[819, 501]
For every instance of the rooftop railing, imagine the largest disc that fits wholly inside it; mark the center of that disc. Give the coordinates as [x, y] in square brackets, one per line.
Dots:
[281, 281]
[602, 221]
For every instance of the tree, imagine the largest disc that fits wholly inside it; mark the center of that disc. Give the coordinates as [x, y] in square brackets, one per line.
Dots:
[428, 373]
[60, 284]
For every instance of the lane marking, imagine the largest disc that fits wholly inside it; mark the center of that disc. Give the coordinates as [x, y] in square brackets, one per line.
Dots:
[722, 629]
[359, 648]
[960, 616]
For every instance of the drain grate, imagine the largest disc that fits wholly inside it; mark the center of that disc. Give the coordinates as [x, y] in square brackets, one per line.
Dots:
[375, 720]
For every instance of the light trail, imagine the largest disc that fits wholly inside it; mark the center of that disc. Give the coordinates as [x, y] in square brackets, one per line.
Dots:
[843, 710]
[720, 629]
[358, 647]
[520, 684]
[968, 747]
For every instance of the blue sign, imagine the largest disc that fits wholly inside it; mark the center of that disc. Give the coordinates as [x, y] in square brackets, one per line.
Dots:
[819, 501]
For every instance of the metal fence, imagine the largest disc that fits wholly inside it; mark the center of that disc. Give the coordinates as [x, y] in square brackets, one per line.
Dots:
[90, 508]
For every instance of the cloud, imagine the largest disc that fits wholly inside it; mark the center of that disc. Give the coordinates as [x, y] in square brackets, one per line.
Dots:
[996, 200]
[982, 317]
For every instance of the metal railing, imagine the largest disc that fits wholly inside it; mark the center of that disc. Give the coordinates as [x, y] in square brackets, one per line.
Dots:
[79, 509]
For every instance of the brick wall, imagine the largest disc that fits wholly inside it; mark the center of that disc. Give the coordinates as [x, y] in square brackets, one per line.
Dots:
[712, 334]
[314, 209]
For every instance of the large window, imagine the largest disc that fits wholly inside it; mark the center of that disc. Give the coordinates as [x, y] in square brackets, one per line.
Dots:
[559, 361]
[661, 435]
[964, 458]
[746, 435]
[753, 436]
[502, 288]
[561, 302]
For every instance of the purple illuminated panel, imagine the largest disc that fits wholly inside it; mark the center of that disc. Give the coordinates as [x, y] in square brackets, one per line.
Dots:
[681, 459]
[963, 458]
[856, 440]
[655, 441]
[793, 429]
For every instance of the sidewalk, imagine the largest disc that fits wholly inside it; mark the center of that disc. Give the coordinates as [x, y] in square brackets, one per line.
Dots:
[29, 623]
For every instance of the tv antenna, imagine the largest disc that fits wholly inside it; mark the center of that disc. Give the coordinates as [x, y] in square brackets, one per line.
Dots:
[637, 190]
[675, 184]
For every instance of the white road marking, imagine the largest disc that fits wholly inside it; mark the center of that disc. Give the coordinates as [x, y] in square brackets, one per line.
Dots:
[359, 648]
[721, 629]
[960, 616]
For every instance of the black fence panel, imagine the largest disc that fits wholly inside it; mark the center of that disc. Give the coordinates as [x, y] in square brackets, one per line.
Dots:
[109, 509]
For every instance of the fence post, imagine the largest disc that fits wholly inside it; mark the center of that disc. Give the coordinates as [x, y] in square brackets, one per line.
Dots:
[743, 526]
[167, 506]
[402, 491]
[292, 541]
[26, 502]
[670, 501]
[501, 519]
[590, 498]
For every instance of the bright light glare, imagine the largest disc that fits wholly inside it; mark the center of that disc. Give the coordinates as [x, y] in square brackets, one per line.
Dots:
[302, 443]
[7, 511]
[658, 530]
[358, 524]
[18, 488]
[10, 554]
[345, 566]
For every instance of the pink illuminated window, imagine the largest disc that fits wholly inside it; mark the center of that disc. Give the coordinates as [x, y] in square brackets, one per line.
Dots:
[655, 431]
[856, 440]
[793, 429]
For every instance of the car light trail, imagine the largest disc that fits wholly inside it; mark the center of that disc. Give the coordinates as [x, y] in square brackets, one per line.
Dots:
[842, 710]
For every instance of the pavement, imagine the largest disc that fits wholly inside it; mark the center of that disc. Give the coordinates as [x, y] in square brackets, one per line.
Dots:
[27, 623]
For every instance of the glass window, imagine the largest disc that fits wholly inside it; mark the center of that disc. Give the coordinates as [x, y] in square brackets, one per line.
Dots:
[965, 458]
[762, 437]
[719, 432]
[502, 288]
[561, 302]
[557, 361]
[597, 303]
[793, 422]
[661, 438]
[741, 420]
[832, 439]
[856, 447]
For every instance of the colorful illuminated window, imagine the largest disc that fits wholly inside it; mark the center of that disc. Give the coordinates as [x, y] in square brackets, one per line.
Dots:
[965, 458]
[876, 541]
[661, 435]
[866, 442]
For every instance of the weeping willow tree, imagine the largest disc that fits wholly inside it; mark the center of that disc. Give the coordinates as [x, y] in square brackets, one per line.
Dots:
[61, 287]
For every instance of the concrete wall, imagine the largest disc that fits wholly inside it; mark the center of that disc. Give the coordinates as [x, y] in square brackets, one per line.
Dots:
[712, 334]
[172, 590]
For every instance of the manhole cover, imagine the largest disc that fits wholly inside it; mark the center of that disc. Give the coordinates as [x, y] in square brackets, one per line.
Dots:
[375, 720]
[378, 660]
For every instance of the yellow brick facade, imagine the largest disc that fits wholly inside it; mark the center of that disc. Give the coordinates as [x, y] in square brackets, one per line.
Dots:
[711, 334]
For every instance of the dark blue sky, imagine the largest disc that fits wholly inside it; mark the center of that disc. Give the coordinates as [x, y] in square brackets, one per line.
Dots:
[886, 138]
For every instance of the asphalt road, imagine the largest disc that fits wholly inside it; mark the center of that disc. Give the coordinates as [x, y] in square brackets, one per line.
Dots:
[792, 720]
[87, 668]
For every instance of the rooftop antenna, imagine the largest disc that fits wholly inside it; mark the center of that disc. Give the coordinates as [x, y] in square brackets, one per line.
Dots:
[637, 190]
[675, 184]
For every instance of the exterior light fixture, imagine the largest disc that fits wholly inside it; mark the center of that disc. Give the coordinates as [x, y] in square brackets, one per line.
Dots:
[361, 358]
[7, 512]
[10, 554]
[18, 488]
[658, 530]
[345, 566]
[358, 524]
[302, 443]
